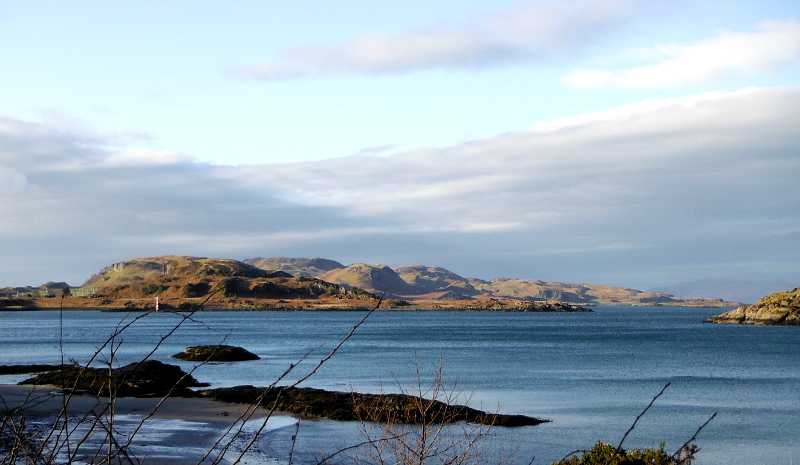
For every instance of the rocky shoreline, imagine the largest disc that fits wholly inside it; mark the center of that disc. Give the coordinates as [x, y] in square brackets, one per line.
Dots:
[777, 309]
[416, 307]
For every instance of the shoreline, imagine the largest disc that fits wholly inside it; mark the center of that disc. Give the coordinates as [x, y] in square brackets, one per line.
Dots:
[46, 400]
[182, 430]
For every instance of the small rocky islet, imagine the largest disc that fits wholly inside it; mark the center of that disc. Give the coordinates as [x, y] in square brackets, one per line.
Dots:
[777, 309]
[216, 353]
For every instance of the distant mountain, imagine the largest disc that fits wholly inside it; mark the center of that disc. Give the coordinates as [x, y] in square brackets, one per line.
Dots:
[733, 291]
[442, 283]
[575, 293]
[420, 282]
[779, 308]
[374, 278]
[312, 267]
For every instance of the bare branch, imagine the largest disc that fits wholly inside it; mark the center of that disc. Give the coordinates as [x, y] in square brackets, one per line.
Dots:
[619, 447]
[691, 439]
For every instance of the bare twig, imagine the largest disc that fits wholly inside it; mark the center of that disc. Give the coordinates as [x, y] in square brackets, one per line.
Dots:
[294, 442]
[303, 378]
[694, 436]
[619, 447]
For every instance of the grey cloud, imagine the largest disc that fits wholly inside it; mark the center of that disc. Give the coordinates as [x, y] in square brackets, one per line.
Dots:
[525, 33]
[701, 187]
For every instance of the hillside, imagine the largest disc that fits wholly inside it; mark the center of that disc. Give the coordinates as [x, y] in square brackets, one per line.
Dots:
[436, 282]
[429, 283]
[312, 267]
[374, 278]
[182, 282]
[780, 308]
[140, 269]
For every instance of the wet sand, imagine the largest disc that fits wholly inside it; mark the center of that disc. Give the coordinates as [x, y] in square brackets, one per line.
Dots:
[180, 431]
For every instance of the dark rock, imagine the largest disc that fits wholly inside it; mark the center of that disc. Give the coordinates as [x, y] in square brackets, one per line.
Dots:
[216, 353]
[346, 406]
[549, 307]
[13, 303]
[147, 378]
[24, 369]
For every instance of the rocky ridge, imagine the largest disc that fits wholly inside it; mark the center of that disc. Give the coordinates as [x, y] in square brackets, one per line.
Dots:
[779, 308]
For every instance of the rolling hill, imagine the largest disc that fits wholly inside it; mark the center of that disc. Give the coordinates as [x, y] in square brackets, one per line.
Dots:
[419, 282]
[262, 283]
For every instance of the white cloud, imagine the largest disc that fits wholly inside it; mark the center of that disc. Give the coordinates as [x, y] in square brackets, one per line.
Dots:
[773, 44]
[523, 33]
[673, 184]
[138, 157]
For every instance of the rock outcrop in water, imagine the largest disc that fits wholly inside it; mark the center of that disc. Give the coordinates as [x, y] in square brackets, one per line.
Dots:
[347, 406]
[147, 378]
[780, 308]
[216, 353]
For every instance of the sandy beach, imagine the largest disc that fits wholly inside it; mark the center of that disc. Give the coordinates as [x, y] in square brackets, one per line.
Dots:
[181, 430]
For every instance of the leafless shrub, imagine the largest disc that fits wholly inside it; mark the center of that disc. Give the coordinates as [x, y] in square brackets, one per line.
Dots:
[420, 426]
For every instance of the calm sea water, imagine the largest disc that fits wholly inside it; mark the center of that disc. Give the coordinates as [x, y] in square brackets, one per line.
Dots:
[591, 373]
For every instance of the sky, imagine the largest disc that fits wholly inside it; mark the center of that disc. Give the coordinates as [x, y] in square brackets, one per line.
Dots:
[638, 143]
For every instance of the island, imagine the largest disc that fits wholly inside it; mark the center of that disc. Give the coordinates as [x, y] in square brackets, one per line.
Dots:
[185, 283]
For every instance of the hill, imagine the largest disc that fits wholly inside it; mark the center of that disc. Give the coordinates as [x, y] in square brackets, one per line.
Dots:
[140, 269]
[313, 267]
[183, 282]
[428, 283]
[780, 308]
[374, 278]
[436, 282]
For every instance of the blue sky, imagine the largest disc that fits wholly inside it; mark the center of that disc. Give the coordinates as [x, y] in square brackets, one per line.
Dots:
[637, 143]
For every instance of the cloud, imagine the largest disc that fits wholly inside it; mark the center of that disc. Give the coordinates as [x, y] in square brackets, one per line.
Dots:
[772, 45]
[524, 33]
[11, 181]
[375, 150]
[656, 192]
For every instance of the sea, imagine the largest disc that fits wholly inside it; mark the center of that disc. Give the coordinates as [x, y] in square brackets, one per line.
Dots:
[591, 374]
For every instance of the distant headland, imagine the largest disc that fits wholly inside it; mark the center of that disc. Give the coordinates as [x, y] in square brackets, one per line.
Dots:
[173, 282]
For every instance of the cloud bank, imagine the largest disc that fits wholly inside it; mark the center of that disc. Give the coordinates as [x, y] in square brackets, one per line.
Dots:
[659, 192]
[524, 33]
[773, 44]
